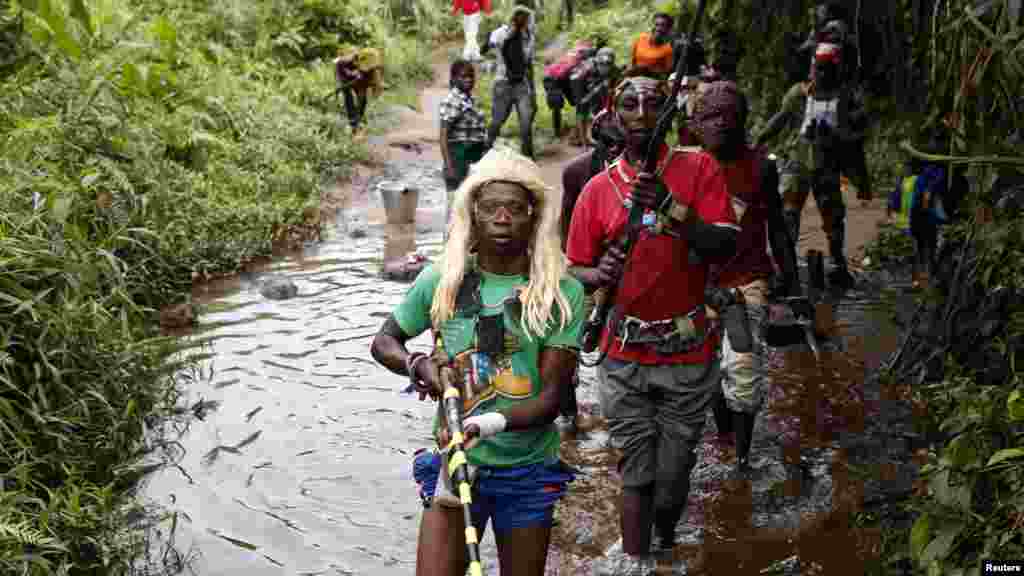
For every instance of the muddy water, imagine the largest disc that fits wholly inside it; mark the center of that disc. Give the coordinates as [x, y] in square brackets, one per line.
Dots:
[305, 466]
[821, 421]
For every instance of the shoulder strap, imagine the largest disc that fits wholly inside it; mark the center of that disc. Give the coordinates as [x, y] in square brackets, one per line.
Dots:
[467, 301]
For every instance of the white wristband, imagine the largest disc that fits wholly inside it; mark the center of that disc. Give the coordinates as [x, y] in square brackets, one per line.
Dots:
[489, 424]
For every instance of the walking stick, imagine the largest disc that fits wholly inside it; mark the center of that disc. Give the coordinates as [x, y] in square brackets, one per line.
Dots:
[458, 467]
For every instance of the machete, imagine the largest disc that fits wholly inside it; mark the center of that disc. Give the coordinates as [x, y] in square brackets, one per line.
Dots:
[590, 336]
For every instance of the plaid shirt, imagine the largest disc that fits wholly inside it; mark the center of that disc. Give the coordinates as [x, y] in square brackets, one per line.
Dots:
[465, 123]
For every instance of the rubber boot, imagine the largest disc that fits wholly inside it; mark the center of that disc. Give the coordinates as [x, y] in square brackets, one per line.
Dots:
[792, 219]
[744, 425]
[556, 121]
[665, 522]
[723, 416]
[636, 520]
[840, 276]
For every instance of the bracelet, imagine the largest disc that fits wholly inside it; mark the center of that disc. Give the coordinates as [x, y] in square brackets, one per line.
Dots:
[413, 363]
[410, 366]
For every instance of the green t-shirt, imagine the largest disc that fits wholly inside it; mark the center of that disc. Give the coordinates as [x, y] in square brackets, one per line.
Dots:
[514, 376]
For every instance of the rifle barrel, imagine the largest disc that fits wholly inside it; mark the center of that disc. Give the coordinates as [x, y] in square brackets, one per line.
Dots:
[668, 112]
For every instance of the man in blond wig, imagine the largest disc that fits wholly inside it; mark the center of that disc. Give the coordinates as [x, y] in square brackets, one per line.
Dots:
[505, 313]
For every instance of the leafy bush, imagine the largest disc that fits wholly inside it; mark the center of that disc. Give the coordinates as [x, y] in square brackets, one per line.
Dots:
[969, 504]
[145, 144]
[891, 247]
[616, 26]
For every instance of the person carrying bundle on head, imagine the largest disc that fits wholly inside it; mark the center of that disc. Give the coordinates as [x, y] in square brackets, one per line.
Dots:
[358, 73]
[593, 81]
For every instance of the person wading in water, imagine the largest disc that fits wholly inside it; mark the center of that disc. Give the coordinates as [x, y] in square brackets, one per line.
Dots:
[661, 370]
[609, 142]
[463, 130]
[719, 122]
[505, 313]
[513, 80]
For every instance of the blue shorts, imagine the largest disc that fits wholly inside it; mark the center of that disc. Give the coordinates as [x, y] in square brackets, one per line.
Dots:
[520, 497]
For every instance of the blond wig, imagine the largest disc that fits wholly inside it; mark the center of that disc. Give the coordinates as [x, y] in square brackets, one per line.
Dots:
[547, 263]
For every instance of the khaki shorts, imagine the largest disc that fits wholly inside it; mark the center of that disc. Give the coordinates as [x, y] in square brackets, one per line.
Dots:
[795, 186]
[744, 374]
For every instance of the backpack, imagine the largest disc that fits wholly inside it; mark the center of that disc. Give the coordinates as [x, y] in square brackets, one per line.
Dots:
[579, 79]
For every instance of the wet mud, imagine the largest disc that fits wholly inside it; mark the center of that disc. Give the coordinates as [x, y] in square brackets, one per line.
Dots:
[830, 442]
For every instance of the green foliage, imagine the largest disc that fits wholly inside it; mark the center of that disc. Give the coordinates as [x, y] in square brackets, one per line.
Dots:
[972, 507]
[890, 247]
[79, 376]
[972, 503]
[616, 26]
[145, 144]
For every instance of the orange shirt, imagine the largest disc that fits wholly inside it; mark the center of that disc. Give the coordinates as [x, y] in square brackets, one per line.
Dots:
[655, 58]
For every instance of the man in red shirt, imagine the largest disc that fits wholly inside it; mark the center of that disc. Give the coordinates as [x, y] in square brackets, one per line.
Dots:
[719, 121]
[661, 370]
[470, 10]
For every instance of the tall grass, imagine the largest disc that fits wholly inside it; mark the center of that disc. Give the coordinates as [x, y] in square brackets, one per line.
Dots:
[146, 144]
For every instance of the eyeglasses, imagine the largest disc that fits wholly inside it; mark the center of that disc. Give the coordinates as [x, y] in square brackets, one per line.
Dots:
[487, 210]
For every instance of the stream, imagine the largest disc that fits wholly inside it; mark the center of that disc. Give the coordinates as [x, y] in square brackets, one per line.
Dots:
[304, 465]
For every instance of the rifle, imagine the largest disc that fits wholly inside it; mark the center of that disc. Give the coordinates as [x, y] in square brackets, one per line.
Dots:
[458, 469]
[590, 336]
